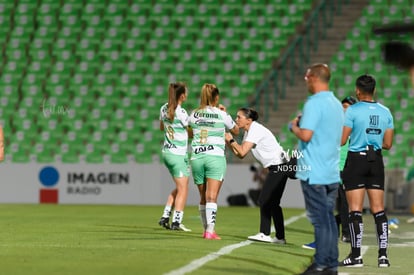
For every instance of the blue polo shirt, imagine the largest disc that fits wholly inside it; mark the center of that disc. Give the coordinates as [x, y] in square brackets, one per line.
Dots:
[368, 121]
[318, 161]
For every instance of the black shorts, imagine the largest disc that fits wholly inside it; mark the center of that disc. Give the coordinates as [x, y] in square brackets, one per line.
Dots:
[361, 173]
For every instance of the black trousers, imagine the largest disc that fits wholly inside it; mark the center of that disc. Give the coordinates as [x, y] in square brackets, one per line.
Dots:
[343, 210]
[269, 201]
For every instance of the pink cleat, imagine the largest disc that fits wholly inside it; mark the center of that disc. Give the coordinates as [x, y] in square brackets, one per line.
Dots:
[211, 236]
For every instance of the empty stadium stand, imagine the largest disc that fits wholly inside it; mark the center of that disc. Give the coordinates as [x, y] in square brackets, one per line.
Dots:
[83, 80]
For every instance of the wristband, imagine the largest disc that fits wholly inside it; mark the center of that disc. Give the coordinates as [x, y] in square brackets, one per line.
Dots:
[231, 141]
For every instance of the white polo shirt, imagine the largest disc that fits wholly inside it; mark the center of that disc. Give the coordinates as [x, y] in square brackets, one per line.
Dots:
[267, 149]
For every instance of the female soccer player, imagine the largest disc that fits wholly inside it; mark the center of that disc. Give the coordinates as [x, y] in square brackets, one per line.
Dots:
[174, 122]
[208, 162]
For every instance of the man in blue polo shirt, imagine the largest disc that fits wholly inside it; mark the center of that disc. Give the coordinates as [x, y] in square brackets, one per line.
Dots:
[319, 131]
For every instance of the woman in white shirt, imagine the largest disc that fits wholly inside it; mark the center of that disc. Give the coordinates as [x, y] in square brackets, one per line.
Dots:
[266, 149]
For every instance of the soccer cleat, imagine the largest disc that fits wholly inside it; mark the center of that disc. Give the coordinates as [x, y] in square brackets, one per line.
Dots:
[260, 237]
[211, 236]
[164, 222]
[278, 241]
[311, 245]
[352, 262]
[175, 226]
[183, 228]
[179, 227]
[383, 261]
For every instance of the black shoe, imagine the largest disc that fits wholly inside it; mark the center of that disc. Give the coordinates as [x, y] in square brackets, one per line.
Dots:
[346, 239]
[175, 226]
[164, 222]
[352, 262]
[314, 270]
[383, 261]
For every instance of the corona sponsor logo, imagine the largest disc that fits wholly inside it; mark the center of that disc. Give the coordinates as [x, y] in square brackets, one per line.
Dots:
[205, 115]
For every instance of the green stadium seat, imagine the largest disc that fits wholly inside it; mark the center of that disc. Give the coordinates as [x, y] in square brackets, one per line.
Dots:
[70, 157]
[90, 51]
[94, 158]
[20, 157]
[119, 157]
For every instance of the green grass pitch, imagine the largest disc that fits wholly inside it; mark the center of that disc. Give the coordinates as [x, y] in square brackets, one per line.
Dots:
[101, 239]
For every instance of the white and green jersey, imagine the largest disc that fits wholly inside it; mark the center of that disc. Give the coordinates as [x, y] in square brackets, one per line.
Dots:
[209, 126]
[175, 132]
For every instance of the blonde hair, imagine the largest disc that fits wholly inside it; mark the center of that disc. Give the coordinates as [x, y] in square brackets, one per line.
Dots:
[209, 93]
[175, 90]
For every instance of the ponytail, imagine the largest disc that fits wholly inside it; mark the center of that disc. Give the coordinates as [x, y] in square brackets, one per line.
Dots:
[175, 90]
[209, 92]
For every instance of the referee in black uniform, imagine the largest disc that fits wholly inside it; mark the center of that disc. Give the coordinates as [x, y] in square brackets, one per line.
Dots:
[370, 128]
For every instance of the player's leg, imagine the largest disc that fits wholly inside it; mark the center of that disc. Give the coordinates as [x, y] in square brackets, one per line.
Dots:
[181, 173]
[376, 198]
[198, 171]
[215, 171]
[165, 218]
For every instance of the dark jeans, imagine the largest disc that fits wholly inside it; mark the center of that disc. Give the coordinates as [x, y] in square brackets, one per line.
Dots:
[269, 202]
[320, 206]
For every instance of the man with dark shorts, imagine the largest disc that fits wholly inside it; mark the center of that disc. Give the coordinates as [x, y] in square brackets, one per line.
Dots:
[369, 127]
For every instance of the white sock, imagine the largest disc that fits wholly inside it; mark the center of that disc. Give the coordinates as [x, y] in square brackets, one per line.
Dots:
[211, 212]
[167, 211]
[202, 210]
[178, 216]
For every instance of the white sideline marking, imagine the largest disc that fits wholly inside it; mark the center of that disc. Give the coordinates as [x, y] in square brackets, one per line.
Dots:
[223, 251]
[212, 256]
[364, 249]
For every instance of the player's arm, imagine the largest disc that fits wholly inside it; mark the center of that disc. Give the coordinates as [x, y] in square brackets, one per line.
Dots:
[346, 131]
[240, 150]
[161, 125]
[235, 130]
[190, 132]
[302, 134]
[388, 138]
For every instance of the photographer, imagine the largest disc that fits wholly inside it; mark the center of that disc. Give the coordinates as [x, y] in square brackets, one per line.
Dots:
[271, 155]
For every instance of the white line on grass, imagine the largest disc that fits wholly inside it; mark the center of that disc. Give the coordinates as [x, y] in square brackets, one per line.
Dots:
[223, 251]
[212, 256]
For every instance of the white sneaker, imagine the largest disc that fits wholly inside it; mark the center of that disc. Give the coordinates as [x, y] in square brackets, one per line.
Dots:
[260, 237]
[278, 241]
[183, 228]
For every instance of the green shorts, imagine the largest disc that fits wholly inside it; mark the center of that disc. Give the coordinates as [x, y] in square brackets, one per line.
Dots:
[212, 167]
[177, 165]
